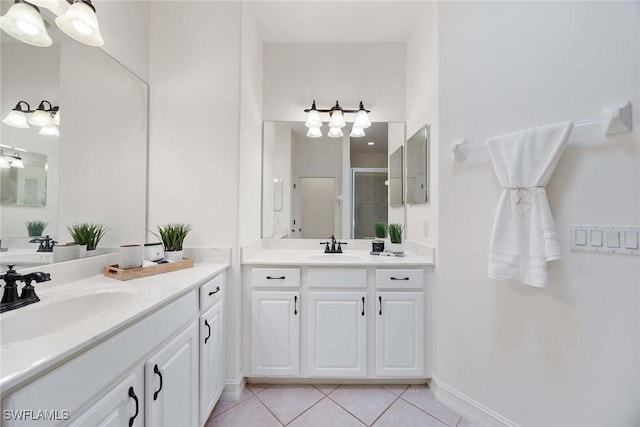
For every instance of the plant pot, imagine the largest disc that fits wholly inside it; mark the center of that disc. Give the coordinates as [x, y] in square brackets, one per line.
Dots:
[92, 252]
[173, 256]
[394, 247]
[82, 251]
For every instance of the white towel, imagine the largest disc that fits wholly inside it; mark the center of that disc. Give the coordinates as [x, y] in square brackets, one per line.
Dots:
[524, 234]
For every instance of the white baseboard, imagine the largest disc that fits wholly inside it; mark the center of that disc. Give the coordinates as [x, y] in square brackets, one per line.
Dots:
[233, 389]
[476, 413]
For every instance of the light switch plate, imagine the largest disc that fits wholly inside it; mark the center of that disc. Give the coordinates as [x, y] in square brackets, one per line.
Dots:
[618, 239]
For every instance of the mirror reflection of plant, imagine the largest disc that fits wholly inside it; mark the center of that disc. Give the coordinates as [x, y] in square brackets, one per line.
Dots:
[381, 229]
[395, 233]
[172, 235]
[86, 233]
[36, 228]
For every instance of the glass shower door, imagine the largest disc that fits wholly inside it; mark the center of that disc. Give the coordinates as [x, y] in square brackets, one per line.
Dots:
[369, 201]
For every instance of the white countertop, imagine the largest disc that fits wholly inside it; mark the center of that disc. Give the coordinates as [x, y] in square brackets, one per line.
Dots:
[307, 257]
[21, 360]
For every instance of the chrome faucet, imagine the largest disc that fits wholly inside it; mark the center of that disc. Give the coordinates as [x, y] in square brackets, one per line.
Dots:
[46, 243]
[333, 249]
[10, 299]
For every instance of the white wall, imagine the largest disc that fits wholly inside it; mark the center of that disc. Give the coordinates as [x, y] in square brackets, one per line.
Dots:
[23, 79]
[282, 170]
[296, 74]
[422, 108]
[566, 354]
[369, 160]
[194, 126]
[124, 26]
[250, 160]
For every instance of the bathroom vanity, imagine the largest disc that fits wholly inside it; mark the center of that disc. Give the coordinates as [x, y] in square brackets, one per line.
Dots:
[321, 317]
[99, 351]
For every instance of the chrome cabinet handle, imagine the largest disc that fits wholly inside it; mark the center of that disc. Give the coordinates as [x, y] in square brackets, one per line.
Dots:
[209, 327]
[135, 398]
[156, 371]
[215, 292]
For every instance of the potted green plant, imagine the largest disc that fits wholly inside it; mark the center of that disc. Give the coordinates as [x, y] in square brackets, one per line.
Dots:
[395, 235]
[86, 233]
[381, 233]
[36, 228]
[172, 236]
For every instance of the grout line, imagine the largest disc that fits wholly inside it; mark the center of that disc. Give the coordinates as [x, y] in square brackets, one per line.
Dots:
[386, 409]
[431, 415]
[308, 409]
[268, 409]
[362, 421]
[236, 403]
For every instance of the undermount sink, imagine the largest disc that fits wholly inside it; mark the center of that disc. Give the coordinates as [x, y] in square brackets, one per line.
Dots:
[335, 258]
[49, 317]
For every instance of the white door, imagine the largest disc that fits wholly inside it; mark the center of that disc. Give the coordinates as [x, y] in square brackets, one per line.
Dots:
[337, 342]
[171, 382]
[275, 333]
[123, 405]
[318, 207]
[399, 334]
[211, 360]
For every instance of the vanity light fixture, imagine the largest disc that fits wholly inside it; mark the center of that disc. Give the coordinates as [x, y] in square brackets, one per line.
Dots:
[18, 116]
[80, 23]
[336, 121]
[15, 161]
[56, 118]
[23, 22]
[49, 131]
[42, 116]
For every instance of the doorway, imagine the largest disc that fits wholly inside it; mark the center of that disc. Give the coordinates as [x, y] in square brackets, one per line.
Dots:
[318, 207]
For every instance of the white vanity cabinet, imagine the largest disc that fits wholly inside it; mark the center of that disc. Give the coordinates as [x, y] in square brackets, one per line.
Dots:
[163, 370]
[171, 377]
[211, 345]
[400, 323]
[335, 322]
[121, 406]
[337, 334]
[275, 333]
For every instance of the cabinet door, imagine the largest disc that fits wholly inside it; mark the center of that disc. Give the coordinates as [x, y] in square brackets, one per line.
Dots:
[211, 360]
[399, 334]
[171, 382]
[123, 405]
[337, 342]
[275, 333]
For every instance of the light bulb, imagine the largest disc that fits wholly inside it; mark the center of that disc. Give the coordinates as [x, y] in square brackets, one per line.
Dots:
[80, 23]
[356, 132]
[49, 131]
[16, 119]
[335, 133]
[23, 22]
[314, 132]
[337, 119]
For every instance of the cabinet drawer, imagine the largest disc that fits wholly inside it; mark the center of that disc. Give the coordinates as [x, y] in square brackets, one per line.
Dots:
[276, 277]
[338, 277]
[211, 292]
[399, 278]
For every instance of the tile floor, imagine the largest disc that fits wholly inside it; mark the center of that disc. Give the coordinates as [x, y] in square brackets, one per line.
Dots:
[265, 405]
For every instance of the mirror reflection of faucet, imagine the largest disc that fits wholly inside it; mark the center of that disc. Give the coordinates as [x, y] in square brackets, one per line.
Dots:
[10, 298]
[333, 249]
[46, 243]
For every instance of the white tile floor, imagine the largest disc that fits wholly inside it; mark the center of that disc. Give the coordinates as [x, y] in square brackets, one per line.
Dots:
[264, 405]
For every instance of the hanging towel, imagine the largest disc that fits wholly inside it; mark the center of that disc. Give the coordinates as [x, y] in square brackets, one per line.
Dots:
[524, 234]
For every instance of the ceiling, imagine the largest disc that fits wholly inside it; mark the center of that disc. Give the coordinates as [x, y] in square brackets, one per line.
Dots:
[314, 21]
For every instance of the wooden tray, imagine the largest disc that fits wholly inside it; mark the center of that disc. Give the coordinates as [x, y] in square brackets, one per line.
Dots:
[114, 272]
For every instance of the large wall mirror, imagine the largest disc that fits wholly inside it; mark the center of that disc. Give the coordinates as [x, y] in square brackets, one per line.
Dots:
[418, 166]
[95, 169]
[316, 187]
[396, 197]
